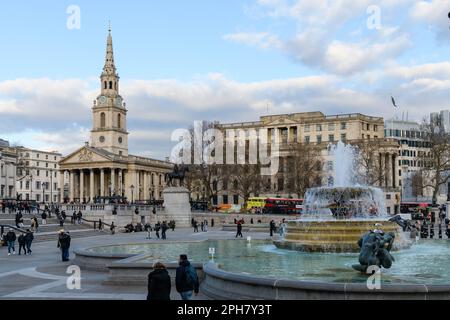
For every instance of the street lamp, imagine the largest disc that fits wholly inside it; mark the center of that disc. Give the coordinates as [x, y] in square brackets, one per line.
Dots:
[132, 196]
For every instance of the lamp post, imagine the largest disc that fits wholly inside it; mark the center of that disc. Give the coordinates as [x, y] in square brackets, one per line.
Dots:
[132, 195]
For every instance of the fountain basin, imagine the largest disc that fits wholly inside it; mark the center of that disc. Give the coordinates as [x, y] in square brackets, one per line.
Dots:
[334, 235]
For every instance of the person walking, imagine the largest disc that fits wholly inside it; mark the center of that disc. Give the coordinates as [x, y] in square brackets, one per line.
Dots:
[79, 217]
[64, 244]
[202, 226]
[186, 280]
[212, 223]
[148, 228]
[205, 226]
[21, 240]
[19, 219]
[29, 237]
[164, 228]
[112, 228]
[100, 225]
[10, 240]
[44, 217]
[195, 226]
[157, 228]
[61, 221]
[239, 229]
[272, 227]
[159, 284]
[74, 218]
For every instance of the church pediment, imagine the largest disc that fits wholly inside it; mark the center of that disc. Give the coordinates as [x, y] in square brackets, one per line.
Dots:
[281, 121]
[86, 155]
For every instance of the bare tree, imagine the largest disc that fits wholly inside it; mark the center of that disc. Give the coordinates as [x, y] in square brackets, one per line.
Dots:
[305, 167]
[435, 162]
[368, 160]
[246, 180]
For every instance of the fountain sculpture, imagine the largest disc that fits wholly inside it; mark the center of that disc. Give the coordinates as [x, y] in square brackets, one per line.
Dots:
[335, 217]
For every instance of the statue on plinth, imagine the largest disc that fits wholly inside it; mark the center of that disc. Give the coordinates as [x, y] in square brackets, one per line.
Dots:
[375, 249]
[178, 173]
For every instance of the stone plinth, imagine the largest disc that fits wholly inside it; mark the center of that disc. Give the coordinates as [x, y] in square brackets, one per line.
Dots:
[177, 206]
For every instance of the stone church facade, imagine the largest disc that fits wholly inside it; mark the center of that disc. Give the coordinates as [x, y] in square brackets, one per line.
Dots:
[103, 167]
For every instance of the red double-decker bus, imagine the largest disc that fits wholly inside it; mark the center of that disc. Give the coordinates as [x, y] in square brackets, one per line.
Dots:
[283, 206]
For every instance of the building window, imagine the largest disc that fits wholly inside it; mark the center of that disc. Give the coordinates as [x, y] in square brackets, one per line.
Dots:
[343, 125]
[102, 120]
[319, 139]
[343, 137]
[37, 155]
[37, 172]
[368, 127]
[38, 185]
[331, 127]
[38, 197]
[375, 127]
[331, 137]
[235, 199]
[110, 85]
[388, 210]
[318, 127]
[225, 199]
[307, 139]
[388, 196]
[27, 185]
[307, 128]
[118, 121]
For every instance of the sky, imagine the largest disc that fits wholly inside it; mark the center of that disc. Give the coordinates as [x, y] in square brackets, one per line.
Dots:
[230, 61]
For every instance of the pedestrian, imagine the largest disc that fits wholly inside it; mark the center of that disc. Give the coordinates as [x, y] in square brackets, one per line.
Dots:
[64, 245]
[61, 221]
[186, 279]
[202, 225]
[272, 227]
[79, 217]
[112, 228]
[157, 228]
[148, 228]
[195, 226]
[205, 226]
[10, 240]
[100, 224]
[74, 218]
[212, 223]
[19, 219]
[192, 222]
[44, 217]
[29, 237]
[413, 234]
[239, 229]
[164, 228]
[159, 284]
[173, 225]
[251, 220]
[21, 240]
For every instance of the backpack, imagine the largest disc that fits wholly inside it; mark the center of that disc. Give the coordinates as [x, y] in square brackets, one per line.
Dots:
[191, 275]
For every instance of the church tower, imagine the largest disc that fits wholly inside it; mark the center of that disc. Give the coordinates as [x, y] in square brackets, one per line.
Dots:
[109, 130]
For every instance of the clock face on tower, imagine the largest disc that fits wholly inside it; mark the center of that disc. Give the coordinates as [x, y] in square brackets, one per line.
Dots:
[118, 101]
[102, 100]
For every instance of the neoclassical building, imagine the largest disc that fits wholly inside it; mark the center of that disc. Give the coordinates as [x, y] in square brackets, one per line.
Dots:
[103, 167]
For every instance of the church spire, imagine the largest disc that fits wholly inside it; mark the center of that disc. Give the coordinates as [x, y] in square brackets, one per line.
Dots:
[109, 67]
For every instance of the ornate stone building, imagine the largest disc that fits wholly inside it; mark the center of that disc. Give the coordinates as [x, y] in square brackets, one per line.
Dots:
[103, 167]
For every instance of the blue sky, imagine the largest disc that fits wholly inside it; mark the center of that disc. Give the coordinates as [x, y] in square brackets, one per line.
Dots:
[216, 60]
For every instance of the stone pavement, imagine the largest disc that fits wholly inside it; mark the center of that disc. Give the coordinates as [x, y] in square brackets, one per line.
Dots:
[42, 275]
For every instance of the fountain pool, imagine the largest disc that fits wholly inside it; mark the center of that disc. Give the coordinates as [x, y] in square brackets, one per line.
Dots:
[424, 263]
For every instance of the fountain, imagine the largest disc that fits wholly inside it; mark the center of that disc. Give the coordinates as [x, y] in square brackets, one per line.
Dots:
[335, 217]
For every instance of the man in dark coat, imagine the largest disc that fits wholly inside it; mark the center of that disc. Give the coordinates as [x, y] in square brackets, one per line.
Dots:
[159, 284]
[64, 244]
[164, 228]
[239, 229]
[186, 280]
[10, 239]
[21, 240]
[29, 237]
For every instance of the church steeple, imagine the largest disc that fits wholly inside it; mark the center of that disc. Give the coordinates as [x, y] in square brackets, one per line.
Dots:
[109, 76]
[109, 130]
[109, 67]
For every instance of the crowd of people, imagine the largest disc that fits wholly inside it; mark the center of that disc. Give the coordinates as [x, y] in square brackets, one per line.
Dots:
[203, 225]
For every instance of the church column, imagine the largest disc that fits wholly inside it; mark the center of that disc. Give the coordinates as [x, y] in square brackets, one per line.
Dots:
[81, 185]
[145, 185]
[383, 170]
[156, 180]
[120, 182]
[102, 182]
[71, 185]
[91, 185]
[113, 180]
[389, 170]
[61, 186]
